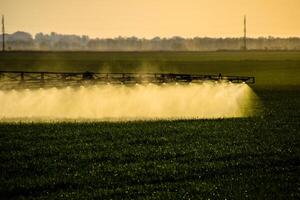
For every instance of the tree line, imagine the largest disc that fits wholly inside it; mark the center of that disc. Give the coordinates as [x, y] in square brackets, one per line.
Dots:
[62, 42]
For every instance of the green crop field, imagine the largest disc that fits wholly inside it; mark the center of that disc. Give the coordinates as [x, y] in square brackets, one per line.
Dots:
[256, 157]
[270, 68]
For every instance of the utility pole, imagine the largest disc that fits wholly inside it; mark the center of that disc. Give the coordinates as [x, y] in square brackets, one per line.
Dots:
[245, 33]
[3, 34]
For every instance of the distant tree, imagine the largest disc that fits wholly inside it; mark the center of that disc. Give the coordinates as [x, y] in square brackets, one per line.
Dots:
[54, 41]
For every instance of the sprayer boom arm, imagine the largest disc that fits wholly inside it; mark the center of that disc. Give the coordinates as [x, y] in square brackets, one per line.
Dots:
[14, 79]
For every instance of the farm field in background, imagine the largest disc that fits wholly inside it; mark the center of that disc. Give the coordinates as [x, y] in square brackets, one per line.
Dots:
[269, 67]
[256, 157]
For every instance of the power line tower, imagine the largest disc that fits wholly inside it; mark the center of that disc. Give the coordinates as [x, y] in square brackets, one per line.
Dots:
[245, 33]
[3, 34]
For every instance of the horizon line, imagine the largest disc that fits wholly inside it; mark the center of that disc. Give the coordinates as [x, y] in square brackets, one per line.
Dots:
[149, 38]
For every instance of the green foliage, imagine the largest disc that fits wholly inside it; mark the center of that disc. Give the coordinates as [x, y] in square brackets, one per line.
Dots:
[254, 157]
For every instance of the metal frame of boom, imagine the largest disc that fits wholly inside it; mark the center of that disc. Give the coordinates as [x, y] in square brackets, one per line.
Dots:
[25, 79]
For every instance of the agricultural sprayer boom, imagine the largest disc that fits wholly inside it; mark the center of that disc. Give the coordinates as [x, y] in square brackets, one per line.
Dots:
[26, 79]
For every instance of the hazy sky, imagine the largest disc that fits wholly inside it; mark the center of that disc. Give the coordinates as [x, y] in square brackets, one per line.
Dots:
[149, 18]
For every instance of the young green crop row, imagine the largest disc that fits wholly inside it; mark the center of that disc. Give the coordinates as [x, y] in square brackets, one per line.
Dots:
[254, 157]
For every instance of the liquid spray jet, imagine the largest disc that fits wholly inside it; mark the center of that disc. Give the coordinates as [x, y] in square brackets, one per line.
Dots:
[123, 102]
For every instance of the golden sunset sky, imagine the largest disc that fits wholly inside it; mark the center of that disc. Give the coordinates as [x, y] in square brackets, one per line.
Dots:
[149, 18]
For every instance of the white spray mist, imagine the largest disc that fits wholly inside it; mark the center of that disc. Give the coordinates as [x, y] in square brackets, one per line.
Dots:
[120, 102]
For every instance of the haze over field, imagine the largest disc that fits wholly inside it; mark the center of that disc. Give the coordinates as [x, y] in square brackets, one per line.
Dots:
[62, 42]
